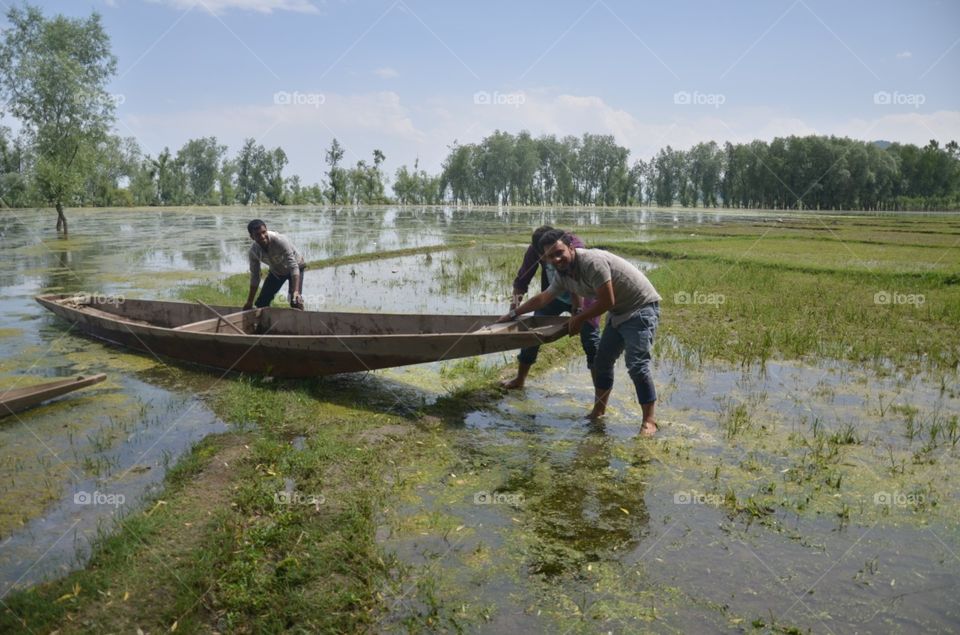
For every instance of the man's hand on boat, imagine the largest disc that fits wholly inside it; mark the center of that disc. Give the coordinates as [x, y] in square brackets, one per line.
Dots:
[538, 301]
[296, 301]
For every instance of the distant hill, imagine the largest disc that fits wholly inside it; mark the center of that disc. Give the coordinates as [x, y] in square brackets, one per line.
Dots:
[883, 145]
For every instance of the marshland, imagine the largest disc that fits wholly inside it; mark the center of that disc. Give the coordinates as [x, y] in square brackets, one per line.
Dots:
[800, 481]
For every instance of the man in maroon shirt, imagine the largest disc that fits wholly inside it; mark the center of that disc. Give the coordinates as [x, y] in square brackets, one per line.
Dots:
[589, 333]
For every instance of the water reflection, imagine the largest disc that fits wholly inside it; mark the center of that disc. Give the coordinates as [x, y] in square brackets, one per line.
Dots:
[586, 507]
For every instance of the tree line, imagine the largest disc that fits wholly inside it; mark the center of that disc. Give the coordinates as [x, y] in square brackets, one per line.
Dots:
[53, 78]
[811, 173]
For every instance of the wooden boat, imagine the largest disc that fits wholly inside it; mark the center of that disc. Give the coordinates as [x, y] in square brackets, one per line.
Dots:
[18, 399]
[289, 343]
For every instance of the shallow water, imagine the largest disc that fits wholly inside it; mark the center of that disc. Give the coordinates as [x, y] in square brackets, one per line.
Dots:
[812, 495]
[606, 525]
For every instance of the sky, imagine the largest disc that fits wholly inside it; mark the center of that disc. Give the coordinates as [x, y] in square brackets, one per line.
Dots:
[410, 77]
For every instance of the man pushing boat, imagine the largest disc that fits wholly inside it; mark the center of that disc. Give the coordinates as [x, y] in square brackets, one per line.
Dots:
[565, 303]
[634, 306]
[284, 262]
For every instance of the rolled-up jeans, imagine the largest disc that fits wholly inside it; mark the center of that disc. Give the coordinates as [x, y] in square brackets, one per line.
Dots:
[589, 335]
[633, 338]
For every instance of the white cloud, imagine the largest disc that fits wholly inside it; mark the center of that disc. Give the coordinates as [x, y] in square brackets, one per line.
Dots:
[904, 55]
[386, 72]
[259, 6]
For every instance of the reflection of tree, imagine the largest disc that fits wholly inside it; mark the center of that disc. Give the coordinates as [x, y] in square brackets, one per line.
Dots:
[584, 508]
[65, 270]
[14, 234]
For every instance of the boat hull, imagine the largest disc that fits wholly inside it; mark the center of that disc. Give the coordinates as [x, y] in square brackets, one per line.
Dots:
[287, 343]
[19, 399]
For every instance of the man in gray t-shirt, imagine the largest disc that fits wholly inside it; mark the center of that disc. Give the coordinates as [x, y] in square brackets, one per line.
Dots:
[634, 306]
[285, 265]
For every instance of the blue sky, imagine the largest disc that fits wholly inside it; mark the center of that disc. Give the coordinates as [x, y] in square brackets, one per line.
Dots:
[410, 76]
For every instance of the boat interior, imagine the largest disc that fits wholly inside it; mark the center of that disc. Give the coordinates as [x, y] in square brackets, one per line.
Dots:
[202, 318]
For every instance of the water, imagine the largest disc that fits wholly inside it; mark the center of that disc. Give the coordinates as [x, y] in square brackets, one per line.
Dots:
[564, 524]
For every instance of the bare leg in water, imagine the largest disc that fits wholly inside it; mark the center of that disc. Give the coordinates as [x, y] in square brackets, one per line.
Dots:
[517, 382]
[649, 426]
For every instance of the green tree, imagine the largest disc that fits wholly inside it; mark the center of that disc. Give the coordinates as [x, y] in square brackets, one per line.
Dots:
[271, 167]
[250, 176]
[53, 74]
[14, 188]
[201, 160]
[115, 162]
[336, 175]
[226, 182]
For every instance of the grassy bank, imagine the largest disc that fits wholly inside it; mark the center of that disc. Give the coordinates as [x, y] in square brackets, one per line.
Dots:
[263, 529]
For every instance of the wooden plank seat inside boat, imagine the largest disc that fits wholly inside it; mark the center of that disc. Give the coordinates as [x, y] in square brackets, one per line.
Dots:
[245, 321]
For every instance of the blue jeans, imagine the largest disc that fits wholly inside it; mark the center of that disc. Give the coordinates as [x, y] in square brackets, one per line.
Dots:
[634, 338]
[589, 335]
[272, 284]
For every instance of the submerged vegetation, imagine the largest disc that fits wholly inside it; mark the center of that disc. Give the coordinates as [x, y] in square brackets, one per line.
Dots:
[808, 424]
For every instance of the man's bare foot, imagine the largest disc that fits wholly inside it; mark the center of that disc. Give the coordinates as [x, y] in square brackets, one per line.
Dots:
[596, 413]
[648, 428]
[512, 384]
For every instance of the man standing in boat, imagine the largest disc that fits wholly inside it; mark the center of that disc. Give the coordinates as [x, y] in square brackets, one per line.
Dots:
[634, 306]
[566, 303]
[285, 265]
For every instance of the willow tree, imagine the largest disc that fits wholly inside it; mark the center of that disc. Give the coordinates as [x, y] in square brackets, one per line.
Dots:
[53, 75]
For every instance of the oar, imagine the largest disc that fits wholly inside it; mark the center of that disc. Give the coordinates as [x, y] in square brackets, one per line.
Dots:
[215, 312]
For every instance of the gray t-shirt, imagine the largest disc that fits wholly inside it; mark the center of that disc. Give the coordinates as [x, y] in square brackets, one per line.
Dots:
[593, 268]
[280, 255]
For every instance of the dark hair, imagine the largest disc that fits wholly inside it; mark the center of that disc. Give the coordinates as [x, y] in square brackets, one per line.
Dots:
[538, 234]
[254, 225]
[550, 238]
